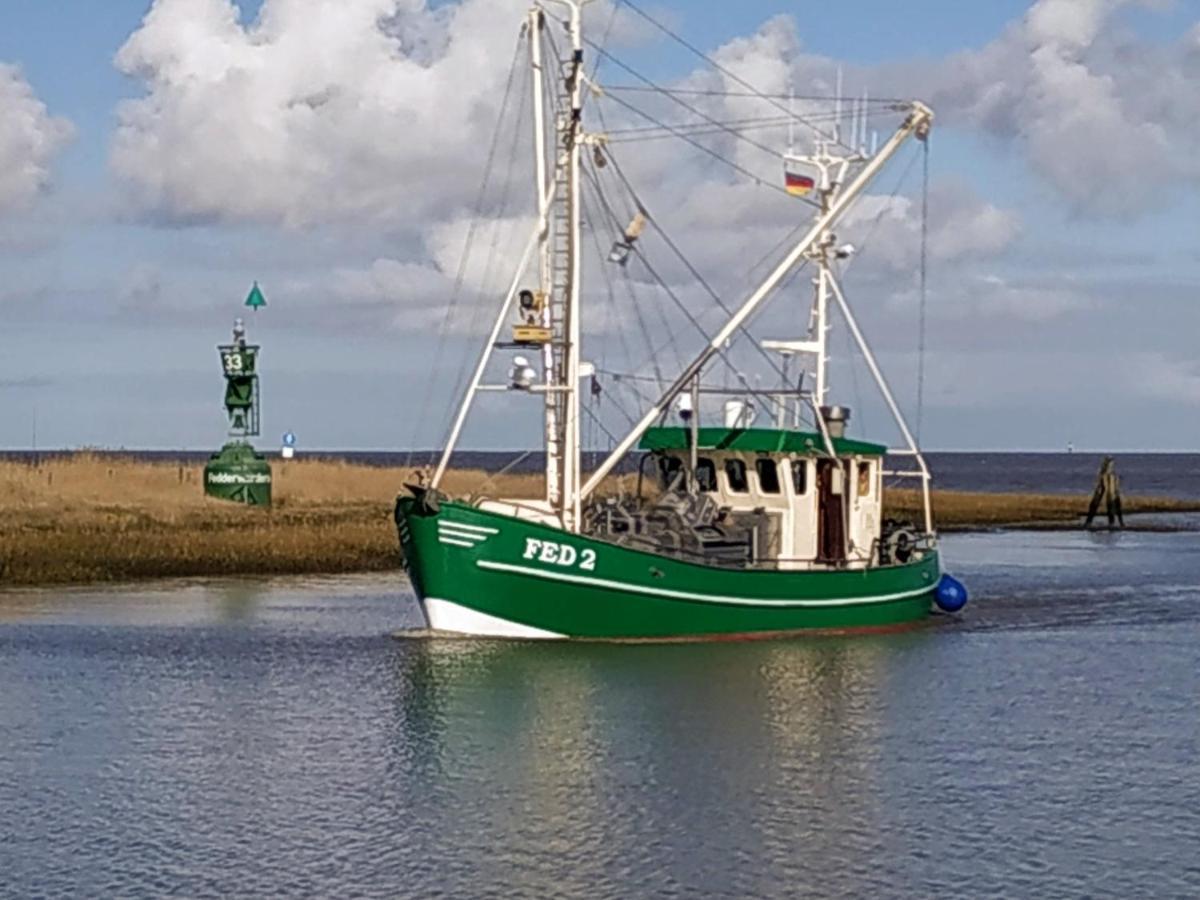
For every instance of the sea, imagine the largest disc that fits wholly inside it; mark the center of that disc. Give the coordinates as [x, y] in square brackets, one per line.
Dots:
[276, 738]
[1143, 474]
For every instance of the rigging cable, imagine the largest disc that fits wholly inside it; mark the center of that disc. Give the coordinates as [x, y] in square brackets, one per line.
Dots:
[635, 130]
[625, 382]
[508, 467]
[614, 440]
[694, 129]
[755, 178]
[637, 251]
[729, 74]
[631, 209]
[708, 289]
[612, 300]
[887, 104]
[924, 287]
[612, 20]
[675, 132]
[771, 151]
[679, 304]
[463, 374]
[460, 275]
[629, 285]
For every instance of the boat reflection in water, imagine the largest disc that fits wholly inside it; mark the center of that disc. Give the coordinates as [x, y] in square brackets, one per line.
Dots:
[592, 766]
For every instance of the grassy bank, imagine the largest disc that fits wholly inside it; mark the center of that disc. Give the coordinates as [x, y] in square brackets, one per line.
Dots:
[90, 518]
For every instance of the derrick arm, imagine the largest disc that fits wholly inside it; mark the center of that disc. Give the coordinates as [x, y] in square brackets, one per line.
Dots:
[917, 123]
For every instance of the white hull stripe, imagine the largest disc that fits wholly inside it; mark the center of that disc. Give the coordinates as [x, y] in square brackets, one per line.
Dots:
[442, 615]
[688, 595]
[459, 536]
[477, 529]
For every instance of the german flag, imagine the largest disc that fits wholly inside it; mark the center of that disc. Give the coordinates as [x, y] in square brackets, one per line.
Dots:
[798, 185]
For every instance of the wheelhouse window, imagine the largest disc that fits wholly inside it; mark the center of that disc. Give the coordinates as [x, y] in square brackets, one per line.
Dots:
[768, 476]
[735, 474]
[800, 476]
[670, 472]
[706, 475]
[864, 479]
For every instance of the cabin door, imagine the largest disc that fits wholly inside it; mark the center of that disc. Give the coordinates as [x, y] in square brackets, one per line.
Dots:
[831, 516]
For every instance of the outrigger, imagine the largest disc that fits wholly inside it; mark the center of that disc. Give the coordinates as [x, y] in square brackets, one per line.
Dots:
[733, 530]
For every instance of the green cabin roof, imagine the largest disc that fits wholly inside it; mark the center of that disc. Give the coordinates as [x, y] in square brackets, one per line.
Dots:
[755, 440]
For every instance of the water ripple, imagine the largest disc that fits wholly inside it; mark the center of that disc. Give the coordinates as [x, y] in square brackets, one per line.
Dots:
[270, 739]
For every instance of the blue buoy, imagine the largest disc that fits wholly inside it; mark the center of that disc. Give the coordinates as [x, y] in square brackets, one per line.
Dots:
[950, 595]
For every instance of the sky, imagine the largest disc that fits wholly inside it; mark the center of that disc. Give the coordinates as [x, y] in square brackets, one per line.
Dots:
[158, 158]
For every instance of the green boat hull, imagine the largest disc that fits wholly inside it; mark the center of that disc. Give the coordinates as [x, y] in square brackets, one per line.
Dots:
[482, 573]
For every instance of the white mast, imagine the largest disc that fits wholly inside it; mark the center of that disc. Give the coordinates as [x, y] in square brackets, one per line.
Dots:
[831, 170]
[822, 319]
[563, 453]
[574, 138]
[545, 271]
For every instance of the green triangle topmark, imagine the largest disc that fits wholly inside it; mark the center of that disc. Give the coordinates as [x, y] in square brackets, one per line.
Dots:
[256, 298]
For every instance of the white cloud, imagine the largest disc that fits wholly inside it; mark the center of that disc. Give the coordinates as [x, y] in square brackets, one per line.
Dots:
[963, 295]
[362, 111]
[962, 228]
[30, 138]
[992, 295]
[1062, 380]
[1161, 377]
[384, 125]
[1108, 119]
[141, 288]
[382, 109]
[320, 110]
[1070, 23]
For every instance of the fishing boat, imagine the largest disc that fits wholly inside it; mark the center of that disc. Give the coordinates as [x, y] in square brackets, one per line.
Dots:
[696, 522]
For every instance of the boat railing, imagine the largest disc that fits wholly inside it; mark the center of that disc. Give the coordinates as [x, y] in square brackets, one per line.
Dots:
[921, 546]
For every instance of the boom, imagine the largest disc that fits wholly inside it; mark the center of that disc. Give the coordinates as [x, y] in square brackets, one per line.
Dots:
[917, 123]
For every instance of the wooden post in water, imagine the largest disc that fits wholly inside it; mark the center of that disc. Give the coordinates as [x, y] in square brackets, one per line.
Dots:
[1108, 491]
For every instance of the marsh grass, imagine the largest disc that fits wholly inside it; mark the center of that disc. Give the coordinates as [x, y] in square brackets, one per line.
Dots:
[89, 518]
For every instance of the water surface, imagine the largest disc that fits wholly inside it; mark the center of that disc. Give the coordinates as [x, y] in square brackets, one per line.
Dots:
[263, 738]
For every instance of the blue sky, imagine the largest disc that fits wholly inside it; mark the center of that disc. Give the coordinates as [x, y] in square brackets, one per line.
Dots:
[1064, 301]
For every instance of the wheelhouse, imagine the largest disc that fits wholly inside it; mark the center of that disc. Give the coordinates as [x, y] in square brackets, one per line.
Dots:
[802, 507]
